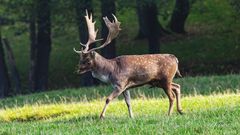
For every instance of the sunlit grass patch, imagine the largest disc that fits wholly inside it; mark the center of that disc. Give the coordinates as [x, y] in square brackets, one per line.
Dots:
[117, 108]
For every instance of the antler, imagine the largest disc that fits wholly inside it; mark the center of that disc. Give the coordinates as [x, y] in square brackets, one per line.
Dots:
[91, 32]
[113, 27]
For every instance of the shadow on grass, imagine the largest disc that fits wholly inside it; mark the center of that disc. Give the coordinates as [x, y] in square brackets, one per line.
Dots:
[31, 118]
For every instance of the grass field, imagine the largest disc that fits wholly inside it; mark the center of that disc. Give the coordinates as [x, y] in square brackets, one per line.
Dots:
[211, 106]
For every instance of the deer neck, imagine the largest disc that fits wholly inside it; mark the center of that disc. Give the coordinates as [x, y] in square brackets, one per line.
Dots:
[102, 68]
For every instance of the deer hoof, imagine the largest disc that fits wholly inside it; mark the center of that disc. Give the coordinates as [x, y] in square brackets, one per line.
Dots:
[101, 117]
[181, 112]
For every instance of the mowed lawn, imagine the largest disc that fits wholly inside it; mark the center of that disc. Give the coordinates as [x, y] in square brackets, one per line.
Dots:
[211, 105]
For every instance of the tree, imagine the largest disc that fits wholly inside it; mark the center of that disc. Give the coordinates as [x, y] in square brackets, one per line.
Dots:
[108, 8]
[33, 49]
[148, 24]
[179, 16]
[36, 14]
[5, 85]
[145, 8]
[81, 6]
[43, 46]
[4, 79]
[16, 83]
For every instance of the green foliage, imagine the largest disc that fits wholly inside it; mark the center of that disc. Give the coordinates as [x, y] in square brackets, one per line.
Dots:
[213, 40]
[211, 12]
[17, 10]
[236, 5]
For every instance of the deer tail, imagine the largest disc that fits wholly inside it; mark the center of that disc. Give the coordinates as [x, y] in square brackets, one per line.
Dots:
[178, 72]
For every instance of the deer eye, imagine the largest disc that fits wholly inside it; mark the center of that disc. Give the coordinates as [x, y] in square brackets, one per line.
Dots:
[86, 62]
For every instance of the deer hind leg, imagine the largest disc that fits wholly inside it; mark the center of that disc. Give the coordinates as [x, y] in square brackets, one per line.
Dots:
[177, 90]
[127, 97]
[113, 95]
[168, 90]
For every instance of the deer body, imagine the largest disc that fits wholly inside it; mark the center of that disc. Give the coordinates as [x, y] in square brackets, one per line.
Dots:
[133, 70]
[128, 71]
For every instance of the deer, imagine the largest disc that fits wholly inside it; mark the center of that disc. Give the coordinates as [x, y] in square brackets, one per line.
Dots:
[128, 71]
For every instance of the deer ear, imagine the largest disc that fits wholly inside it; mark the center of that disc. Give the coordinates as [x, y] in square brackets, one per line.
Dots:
[92, 54]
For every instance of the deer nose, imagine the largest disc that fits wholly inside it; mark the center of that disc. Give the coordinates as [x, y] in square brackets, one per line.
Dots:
[80, 71]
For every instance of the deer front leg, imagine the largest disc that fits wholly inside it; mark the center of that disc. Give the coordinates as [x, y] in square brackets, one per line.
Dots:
[113, 95]
[177, 90]
[127, 97]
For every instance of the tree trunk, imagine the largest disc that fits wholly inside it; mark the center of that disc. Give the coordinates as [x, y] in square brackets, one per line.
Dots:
[179, 16]
[4, 79]
[43, 45]
[149, 24]
[12, 65]
[33, 49]
[145, 8]
[153, 44]
[81, 6]
[108, 8]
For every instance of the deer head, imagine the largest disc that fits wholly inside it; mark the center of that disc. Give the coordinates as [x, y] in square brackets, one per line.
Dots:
[87, 56]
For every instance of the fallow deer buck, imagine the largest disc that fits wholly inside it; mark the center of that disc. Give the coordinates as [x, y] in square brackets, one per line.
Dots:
[128, 71]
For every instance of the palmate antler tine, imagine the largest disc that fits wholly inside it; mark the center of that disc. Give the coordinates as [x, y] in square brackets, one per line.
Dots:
[116, 20]
[113, 28]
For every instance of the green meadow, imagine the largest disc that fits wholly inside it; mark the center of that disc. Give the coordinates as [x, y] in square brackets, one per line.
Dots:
[211, 106]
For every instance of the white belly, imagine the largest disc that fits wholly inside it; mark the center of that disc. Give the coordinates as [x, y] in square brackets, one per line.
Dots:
[101, 77]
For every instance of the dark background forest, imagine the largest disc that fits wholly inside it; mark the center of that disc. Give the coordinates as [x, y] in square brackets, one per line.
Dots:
[37, 38]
